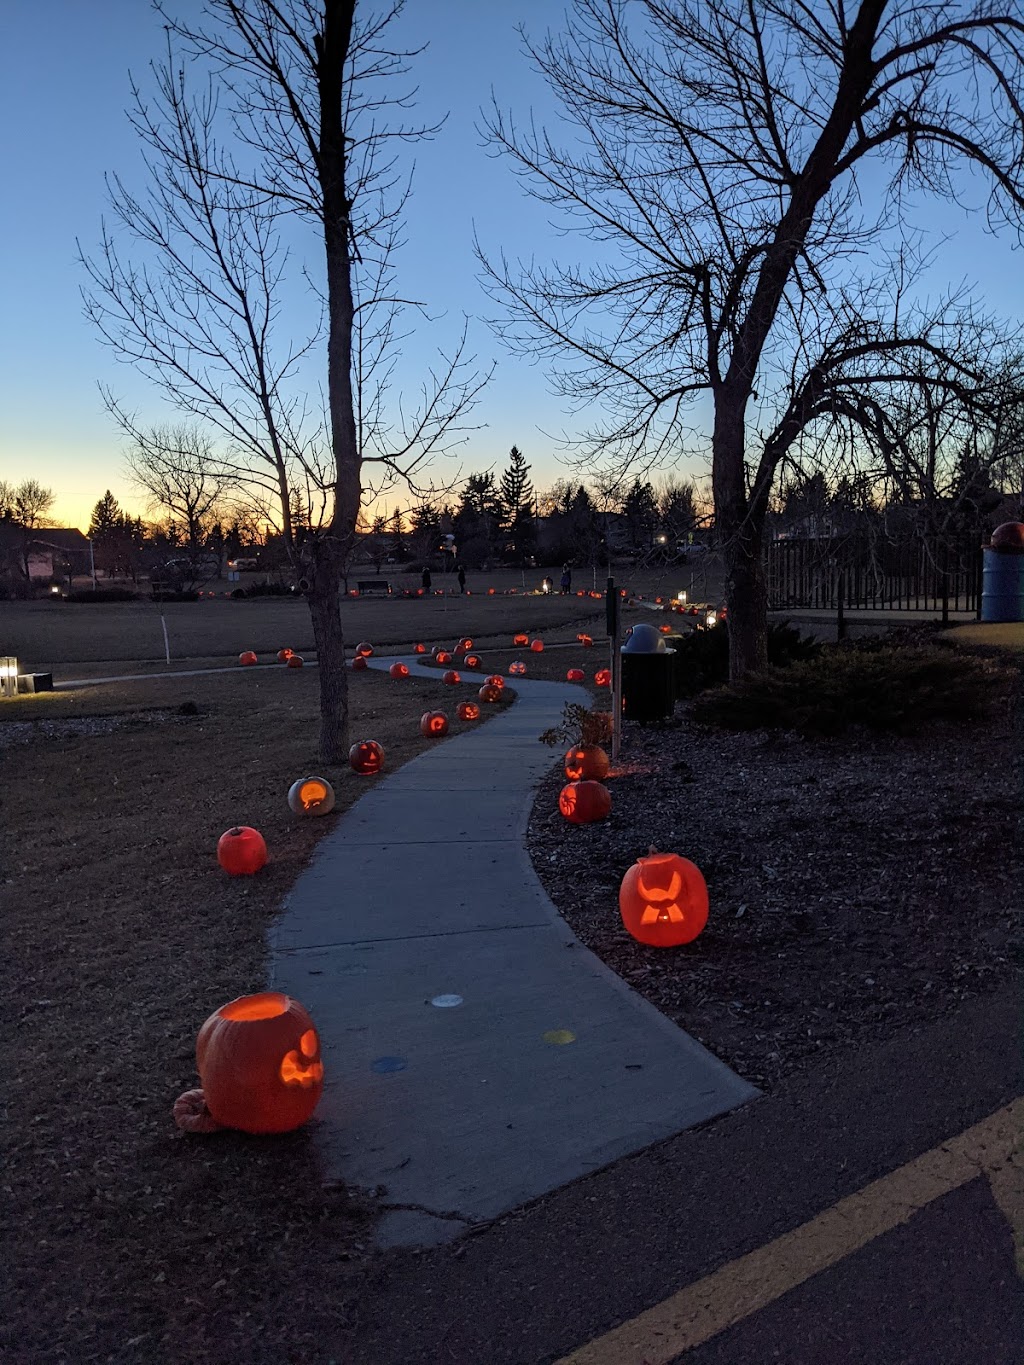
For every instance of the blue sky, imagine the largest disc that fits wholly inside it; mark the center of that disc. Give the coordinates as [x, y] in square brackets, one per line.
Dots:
[63, 90]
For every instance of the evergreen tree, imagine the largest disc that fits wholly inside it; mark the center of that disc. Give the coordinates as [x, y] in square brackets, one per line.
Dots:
[516, 496]
[640, 509]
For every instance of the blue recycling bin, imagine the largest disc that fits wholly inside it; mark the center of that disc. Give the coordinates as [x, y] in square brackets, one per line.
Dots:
[1002, 580]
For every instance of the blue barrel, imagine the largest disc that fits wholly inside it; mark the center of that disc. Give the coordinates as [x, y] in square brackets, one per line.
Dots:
[1002, 585]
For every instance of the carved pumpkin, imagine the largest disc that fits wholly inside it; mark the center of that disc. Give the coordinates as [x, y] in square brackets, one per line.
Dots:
[495, 680]
[451, 677]
[419, 649]
[294, 661]
[588, 762]
[464, 644]
[583, 802]
[490, 592]
[311, 796]
[472, 661]
[585, 641]
[259, 1063]
[489, 692]
[442, 657]
[537, 646]
[283, 655]
[247, 659]
[603, 677]
[666, 629]
[359, 663]
[663, 900]
[468, 710]
[364, 648]
[517, 668]
[399, 670]
[520, 639]
[575, 675]
[241, 851]
[433, 724]
[366, 758]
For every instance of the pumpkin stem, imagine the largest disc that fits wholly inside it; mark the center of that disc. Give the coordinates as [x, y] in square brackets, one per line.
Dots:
[651, 851]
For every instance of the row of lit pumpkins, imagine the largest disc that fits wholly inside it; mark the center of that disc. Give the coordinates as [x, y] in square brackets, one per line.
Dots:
[259, 1058]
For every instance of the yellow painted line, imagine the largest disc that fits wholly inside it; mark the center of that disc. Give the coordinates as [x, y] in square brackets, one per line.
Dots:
[748, 1284]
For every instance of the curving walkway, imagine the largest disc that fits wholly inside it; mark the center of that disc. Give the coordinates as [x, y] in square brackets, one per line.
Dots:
[477, 1054]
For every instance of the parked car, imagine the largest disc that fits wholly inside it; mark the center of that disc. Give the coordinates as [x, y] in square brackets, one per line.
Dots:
[242, 564]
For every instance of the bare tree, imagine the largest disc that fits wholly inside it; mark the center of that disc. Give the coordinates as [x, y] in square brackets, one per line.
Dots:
[717, 156]
[291, 130]
[176, 469]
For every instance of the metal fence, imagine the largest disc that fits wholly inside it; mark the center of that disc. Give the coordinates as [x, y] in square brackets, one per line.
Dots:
[924, 574]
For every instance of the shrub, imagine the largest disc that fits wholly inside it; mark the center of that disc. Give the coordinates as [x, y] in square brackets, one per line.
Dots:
[884, 689]
[579, 725]
[702, 657]
[102, 595]
[266, 590]
[165, 595]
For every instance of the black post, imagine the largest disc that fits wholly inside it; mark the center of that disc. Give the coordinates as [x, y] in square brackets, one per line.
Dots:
[840, 617]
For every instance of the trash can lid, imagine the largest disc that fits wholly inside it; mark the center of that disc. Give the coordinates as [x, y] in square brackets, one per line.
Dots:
[644, 639]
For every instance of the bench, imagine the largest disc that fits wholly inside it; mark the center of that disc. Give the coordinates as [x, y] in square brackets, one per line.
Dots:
[373, 585]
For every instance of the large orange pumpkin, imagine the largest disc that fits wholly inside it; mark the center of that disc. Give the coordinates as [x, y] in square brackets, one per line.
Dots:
[433, 724]
[259, 1063]
[366, 757]
[489, 692]
[583, 802]
[399, 670]
[468, 710]
[588, 762]
[603, 677]
[663, 900]
[241, 851]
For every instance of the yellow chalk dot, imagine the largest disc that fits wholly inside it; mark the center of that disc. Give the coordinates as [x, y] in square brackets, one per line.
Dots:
[558, 1037]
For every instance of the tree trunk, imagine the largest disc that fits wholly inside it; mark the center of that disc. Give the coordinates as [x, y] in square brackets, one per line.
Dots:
[746, 595]
[324, 609]
[740, 529]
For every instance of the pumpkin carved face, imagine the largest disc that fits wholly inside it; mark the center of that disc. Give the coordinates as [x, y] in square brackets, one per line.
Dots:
[259, 1063]
[575, 675]
[247, 658]
[366, 758]
[443, 657]
[603, 677]
[472, 661]
[489, 693]
[665, 629]
[663, 900]
[364, 648]
[241, 851]
[283, 655]
[451, 677]
[495, 680]
[399, 670]
[311, 796]
[468, 710]
[433, 724]
[517, 668]
[583, 802]
[585, 641]
[587, 762]
[419, 649]
[520, 639]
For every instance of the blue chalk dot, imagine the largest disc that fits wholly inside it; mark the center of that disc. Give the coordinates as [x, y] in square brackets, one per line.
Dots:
[385, 1064]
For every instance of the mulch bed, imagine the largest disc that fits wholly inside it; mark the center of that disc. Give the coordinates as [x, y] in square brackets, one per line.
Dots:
[859, 885]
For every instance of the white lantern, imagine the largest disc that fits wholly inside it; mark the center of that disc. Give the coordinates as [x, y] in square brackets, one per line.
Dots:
[8, 677]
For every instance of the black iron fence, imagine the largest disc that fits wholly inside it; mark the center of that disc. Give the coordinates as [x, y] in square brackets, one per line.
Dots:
[922, 573]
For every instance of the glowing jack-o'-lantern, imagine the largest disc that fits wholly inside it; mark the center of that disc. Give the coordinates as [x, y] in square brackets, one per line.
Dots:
[451, 677]
[419, 649]
[442, 657]
[472, 661]
[359, 663]
[517, 668]
[294, 661]
[665, 629]
[587, 762]
[585, 640]
[663, 900]
[399, 670]
[490, 693]
[468, 710]
[433, 724]
[575, 675]
[464, 644]
[364, 648]
[247, 658]
[537, 646]
[584, 802]
[520, 639]
[495, 680]
[241, 851]
[311, 796]
[603, 677]
[259, 1063]
[283, 655]
[366, 758]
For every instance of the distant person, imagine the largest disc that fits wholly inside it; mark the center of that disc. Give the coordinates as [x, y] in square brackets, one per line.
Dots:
[426, 580]
[462, 578]
[566, 580]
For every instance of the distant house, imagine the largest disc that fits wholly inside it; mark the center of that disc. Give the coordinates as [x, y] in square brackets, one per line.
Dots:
[56, 551]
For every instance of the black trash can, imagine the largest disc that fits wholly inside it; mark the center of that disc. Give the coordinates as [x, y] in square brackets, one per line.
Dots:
[648, 691]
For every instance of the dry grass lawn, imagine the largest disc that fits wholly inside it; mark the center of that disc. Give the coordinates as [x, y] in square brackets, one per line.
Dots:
[125, 1239]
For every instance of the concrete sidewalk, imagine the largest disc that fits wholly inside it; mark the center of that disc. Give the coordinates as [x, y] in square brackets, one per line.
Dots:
[477, 1054]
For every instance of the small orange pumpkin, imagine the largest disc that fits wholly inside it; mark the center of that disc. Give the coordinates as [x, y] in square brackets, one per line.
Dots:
[468, 710]
[575, 675]
[442, 657]
[495, 680]
[399, 670]
[603, 677]
[584, 802]
[451, 677]
[490, 693]
[259, 1063]
[433, 724]
[517, 668]
[283, 655]
[241, 851]
[585, 640]
[247, 658]
[588, 762]
[537, 646]
[359, 663]
[520, 639]
[294, 661]
[472, 661]
[665, 629]
[366, 758]
[419, 649]
[364, 648]
[663, 900]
